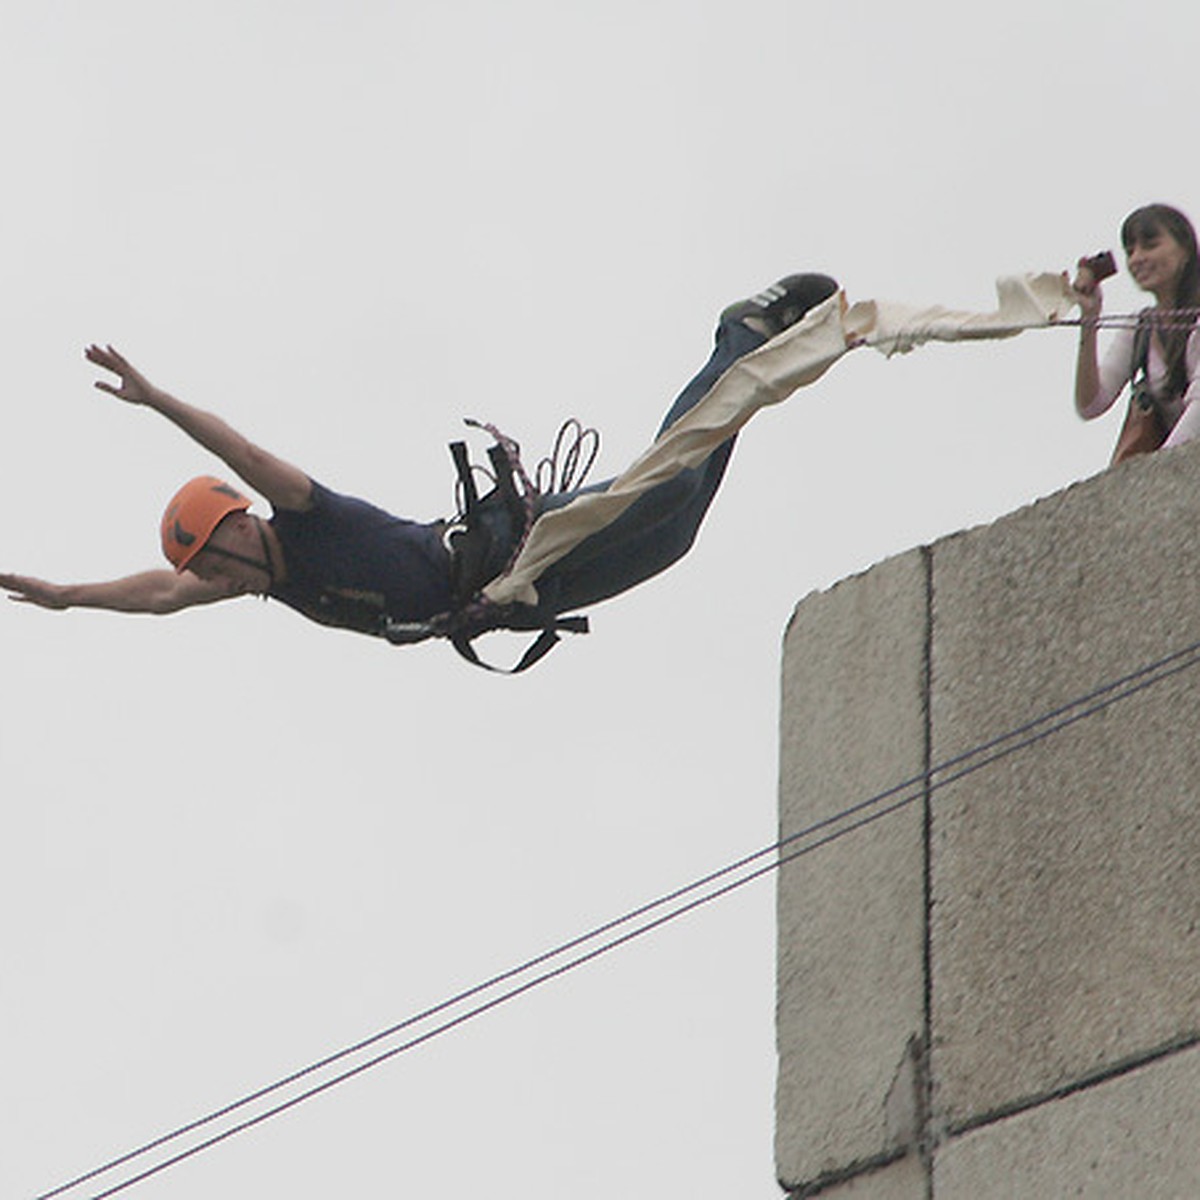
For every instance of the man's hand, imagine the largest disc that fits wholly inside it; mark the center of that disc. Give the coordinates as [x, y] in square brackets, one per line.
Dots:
[134, 388]
[286, 487]
[27, 590]
[157, 591]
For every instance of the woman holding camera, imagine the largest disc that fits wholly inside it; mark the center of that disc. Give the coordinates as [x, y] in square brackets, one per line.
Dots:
[1161, 356]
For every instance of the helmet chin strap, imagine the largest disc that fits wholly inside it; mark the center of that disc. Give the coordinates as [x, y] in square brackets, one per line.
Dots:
[259, 564]
[268, 565]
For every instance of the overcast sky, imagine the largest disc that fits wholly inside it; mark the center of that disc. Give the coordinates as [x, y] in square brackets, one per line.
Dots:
[234, 842]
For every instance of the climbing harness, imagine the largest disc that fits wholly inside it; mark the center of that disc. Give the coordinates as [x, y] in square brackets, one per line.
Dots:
[488, 534]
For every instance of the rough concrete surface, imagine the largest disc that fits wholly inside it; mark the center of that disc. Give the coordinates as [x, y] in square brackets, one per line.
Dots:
[1137, 1135]
[1066, 898]
[903, 1180]
[851, 915]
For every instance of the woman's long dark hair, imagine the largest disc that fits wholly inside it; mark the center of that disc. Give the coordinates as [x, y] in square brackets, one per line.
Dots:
[1173, 332]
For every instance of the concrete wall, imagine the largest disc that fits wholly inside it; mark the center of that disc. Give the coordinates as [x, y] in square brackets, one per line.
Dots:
[994, 989]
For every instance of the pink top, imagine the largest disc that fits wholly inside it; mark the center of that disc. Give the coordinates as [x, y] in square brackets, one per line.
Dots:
[1116, 369]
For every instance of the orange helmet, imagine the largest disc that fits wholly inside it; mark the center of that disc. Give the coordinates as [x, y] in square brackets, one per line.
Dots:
[194, 512]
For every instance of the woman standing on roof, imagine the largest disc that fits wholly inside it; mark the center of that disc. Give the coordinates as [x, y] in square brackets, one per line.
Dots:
[1161, 357]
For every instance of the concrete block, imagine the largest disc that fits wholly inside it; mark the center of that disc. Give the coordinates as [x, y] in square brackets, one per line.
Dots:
[1066, 900]
[1134, 1135]
[903, 1180]
[850, 1018]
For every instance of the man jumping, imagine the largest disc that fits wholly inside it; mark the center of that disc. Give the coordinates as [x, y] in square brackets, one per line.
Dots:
[344, 562]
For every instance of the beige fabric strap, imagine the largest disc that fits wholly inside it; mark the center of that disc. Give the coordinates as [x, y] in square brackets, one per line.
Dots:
[796, 358]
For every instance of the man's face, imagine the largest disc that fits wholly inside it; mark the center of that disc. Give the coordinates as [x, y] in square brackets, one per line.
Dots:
[234, 557]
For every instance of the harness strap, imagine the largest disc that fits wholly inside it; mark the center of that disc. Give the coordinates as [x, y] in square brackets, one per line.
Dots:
[466, 479]
[535, 652]
[473, 565]
[409, 633]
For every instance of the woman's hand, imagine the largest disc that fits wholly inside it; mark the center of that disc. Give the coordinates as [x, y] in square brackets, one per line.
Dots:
[1087, 365]
[134, 388]
[1087, 288]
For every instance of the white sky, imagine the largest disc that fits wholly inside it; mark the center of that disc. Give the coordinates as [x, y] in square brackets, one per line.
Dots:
[233, 842]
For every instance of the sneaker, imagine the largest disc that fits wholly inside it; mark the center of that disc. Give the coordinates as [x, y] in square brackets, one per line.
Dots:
[782, 304]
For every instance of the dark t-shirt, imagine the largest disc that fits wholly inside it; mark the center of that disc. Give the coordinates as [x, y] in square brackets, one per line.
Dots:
[351, 564]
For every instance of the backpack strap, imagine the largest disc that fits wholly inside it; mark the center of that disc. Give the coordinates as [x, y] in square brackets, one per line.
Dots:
[1139, 367]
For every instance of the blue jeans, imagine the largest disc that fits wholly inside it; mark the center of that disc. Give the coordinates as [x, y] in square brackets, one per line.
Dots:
[658, 528]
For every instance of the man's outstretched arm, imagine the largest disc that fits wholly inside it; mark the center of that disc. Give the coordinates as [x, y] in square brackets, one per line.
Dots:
[148, 592]
[285, 486]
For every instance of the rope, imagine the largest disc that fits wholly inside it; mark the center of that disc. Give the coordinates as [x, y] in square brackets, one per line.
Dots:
[1164, 318]
[849, 820]
[561, 472]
